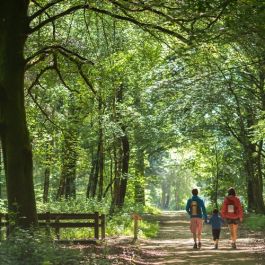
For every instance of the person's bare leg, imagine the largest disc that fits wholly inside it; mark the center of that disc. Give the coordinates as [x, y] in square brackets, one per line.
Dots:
[193, 231]
[233, 231]
[199, 240]
[199, 233]
[195, 238]
[234, 227]
[216, 243]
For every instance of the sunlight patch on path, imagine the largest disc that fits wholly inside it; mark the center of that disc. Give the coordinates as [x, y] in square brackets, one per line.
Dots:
[173, 245]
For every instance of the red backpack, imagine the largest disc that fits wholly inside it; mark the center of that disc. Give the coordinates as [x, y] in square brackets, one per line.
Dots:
[231, 206]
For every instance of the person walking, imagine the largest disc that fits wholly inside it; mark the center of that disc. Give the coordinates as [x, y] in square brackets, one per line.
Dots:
[232, 212]
[196, 209]
[216, 222]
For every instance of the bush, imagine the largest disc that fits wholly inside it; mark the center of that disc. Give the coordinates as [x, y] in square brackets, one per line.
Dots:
[122, 223]
[255, 222]
[27, 248]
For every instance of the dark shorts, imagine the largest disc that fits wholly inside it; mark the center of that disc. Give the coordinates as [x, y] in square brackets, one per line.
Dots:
[216, 233]
[232, 221]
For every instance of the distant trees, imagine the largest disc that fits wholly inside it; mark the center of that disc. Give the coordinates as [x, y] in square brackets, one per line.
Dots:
[216, 97]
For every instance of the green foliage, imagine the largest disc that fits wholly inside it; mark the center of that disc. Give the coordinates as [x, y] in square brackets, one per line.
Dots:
[74, 206]
[3, 204]
[255, 222]
[79, 205]
[24, 247]
[123, 224]
[148, 229]
[120, 224]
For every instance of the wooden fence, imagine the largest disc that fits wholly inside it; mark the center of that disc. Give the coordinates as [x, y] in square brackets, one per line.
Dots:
[65, 220]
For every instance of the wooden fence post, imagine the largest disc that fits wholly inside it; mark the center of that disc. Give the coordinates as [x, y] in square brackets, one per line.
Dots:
[135, 231]
[57, 228]
[103, 225]
[96, 230]
[136, 217]
[48, 222]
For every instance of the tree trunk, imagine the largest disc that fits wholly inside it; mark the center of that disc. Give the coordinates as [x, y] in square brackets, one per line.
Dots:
[254, 164]
[125, 168]
[215, 201]
[109, 187]
[116, 181]
[46, 184]
[1, 172]
[260, 207]
[14, 132]
[163, 195]
[97, 161]
[90, 189]
[67, 185]
[255, 178]
[121, 169]
[139, 166]
[69, 157]
[167, 200]
[100, 152]
[121, 158]
[101, 166]
[139, 187]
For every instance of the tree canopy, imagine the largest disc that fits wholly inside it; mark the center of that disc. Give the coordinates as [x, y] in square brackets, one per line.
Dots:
[131, 102]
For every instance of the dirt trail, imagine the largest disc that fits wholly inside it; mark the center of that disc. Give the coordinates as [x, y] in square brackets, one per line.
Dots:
[173, 245]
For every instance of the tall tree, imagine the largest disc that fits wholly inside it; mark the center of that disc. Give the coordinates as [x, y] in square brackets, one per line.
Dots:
[14, 26]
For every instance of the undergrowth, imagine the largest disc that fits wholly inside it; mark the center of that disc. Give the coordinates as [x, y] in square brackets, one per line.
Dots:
[28, 248]
[118, 224]
[255, 222]
[25, 247]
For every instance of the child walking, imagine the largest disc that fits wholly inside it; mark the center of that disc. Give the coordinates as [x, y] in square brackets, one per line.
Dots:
[216, 222]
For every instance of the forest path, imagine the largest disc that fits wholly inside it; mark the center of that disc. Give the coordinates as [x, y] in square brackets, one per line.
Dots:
[173, 245]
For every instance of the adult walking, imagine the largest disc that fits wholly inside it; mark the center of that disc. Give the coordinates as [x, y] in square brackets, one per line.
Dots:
[196, 209]
[232, 212]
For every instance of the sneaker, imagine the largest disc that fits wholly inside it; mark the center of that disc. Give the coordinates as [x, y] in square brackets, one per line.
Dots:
[199, 245]
[195, 246]
[233, 245]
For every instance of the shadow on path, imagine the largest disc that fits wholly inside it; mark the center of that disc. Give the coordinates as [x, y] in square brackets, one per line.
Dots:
[173, 245]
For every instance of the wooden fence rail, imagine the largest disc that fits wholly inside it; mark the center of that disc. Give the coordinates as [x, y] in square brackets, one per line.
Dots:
[65, 220]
